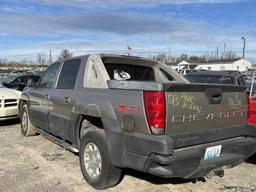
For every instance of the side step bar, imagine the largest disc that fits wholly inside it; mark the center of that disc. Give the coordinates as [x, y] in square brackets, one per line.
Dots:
[58, 141]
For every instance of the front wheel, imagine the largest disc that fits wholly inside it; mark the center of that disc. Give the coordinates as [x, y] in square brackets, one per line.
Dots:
[27, 128]
[95, 163]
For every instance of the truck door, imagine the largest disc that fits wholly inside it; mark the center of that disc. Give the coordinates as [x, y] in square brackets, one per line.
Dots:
[63, 100]
[39, 98]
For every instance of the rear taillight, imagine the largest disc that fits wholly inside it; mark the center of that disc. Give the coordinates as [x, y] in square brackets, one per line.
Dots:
[251, 110]
[154, 103]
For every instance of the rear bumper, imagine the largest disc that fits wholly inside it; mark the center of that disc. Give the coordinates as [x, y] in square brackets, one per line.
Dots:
[189, 162]
[156, 154]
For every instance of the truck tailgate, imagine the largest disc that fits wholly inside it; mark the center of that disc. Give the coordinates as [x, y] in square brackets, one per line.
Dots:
[200, 113]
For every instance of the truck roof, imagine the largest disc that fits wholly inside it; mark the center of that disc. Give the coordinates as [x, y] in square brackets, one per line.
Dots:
[116, 57]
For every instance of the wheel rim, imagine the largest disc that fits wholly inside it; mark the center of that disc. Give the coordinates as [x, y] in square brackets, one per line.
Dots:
[24, 123]
[92, 160]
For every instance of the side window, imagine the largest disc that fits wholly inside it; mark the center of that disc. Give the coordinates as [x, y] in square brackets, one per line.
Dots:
[14, 83]
[67, 79]
[49, 76]
[35, 78]
[167, 75]
[23, 79]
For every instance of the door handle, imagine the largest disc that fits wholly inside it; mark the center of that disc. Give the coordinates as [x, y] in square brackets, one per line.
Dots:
[66, 100]
[216, 97]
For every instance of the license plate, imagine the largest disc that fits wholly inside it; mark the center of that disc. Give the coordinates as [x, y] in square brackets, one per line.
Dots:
[212, 152]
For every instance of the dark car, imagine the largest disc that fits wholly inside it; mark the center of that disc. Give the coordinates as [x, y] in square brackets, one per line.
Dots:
[216, 77]
[249, 88]
[19, 82]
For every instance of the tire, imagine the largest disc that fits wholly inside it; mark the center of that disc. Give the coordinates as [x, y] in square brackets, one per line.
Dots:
[26, 126]
[95, 163]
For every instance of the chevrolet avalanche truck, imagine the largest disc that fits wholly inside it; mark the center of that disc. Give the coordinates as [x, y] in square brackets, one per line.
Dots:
[129, 112]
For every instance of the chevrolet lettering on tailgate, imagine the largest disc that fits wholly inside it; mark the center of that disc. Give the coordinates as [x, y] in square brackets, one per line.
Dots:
[206, 116]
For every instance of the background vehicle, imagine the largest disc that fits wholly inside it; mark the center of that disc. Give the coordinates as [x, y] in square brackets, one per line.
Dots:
[251, 91]
[248, 85]
[9, 100]
[185, 71]
[216, 77]
[19, 82]
[129, 112]
[248, 76]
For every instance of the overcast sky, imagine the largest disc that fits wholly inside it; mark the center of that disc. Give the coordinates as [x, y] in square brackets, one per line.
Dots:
[195, 27]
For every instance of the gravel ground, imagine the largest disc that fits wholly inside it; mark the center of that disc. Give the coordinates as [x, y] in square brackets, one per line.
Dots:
[36, 164]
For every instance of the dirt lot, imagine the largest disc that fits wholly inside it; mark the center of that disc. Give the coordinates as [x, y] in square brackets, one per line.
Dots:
[36, 164]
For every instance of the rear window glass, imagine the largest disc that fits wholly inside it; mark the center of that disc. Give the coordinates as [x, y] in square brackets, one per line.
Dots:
[214, 79]
[129, 72]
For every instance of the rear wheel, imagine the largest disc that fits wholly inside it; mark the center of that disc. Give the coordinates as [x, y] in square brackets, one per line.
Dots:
[95, 163]
[26, 126]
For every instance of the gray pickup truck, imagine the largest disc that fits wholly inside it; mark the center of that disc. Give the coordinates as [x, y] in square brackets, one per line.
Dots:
[130, 112]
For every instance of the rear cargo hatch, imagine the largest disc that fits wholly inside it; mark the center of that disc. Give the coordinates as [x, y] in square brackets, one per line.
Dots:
[200, 113]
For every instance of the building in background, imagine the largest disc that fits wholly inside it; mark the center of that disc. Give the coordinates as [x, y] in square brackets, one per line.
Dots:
[238, 64]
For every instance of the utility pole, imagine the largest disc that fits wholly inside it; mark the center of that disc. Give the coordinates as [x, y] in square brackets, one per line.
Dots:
[217, 53]
[244, 40]
[50, 57]
[224, 51]
[169, 55]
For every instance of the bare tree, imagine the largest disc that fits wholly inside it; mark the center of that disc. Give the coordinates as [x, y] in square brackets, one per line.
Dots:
[3, 61]
[65, 55]
[164, 58]
[183, 57]
[41, 59]
[24, 61]
[229, 55]
[159, 57]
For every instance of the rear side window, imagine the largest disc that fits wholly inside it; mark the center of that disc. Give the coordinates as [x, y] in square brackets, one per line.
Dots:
[167, 75]
[129, 72]
[69, 71]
